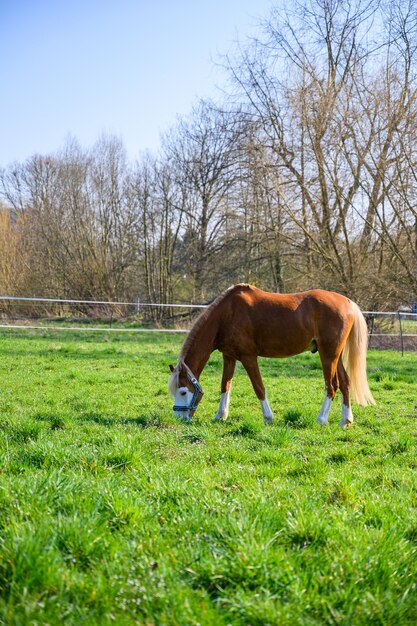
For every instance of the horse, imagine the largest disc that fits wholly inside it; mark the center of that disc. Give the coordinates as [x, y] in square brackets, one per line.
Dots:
[245, 322]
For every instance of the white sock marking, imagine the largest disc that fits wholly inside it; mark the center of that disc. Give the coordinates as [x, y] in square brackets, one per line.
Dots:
[347, 416]
[267, 412]
[323, 417]
[223, 410]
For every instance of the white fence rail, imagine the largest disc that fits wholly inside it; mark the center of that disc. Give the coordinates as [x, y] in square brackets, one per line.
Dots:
[400, 327]
[101, 302]
[71, 303]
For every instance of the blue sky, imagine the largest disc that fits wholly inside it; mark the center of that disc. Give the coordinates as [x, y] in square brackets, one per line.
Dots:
[85, 67]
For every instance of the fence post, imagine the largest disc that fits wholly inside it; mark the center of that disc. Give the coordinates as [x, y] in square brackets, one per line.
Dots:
[401, 333]
[370, 329]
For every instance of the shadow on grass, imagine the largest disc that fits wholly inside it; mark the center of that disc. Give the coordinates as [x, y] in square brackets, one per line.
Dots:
[57, 421]
[143, 421]
[244, 430]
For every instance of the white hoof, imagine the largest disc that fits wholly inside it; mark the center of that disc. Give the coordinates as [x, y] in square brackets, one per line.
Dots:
[345, 423]
[268, 419]
[347, 417]
[322, 420]
[220, 417]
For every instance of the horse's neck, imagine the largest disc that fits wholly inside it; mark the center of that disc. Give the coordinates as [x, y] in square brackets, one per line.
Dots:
[198, 351]
[196, 357]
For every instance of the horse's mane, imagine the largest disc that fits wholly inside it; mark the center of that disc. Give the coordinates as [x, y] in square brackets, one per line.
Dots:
[202, 318]
[199, 322]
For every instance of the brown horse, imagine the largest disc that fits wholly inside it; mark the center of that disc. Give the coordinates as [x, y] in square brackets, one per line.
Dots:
[245, 322]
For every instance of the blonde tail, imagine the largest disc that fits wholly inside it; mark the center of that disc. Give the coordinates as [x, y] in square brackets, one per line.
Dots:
[354, 359]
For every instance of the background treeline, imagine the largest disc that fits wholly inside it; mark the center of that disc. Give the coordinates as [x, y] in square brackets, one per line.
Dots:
[305, 177]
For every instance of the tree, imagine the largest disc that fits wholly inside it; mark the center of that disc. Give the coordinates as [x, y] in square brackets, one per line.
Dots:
[79, 224]
[204, 147]
[13, 254]
[332, 111]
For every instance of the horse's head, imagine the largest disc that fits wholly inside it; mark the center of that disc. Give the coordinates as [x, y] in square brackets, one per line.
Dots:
[185, 389]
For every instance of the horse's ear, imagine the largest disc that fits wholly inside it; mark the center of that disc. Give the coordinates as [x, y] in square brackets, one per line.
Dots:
[171, 367]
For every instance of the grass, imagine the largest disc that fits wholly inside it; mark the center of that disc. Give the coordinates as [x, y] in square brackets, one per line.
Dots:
[112, 512]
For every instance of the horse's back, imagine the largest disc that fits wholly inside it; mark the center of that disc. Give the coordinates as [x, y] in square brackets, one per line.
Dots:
[309, 302]
[263, 324]
[278, 325]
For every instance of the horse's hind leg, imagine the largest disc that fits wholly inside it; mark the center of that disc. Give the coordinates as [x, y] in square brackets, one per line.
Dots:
[329, 366]
[347, 416]
[229, 365]
[251, 366]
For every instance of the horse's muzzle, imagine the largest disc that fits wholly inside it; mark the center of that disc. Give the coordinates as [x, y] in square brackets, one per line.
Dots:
[186, 411]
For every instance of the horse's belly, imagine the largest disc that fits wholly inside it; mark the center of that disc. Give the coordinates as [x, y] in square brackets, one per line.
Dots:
[273, 334]
[284, 346]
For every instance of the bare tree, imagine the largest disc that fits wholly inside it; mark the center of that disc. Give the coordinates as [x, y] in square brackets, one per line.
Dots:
[333, 107]
[78, 221]
[13, 253]
[204, 146]
[158, 202]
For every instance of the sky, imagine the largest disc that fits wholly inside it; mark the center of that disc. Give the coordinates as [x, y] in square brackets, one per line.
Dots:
[84, 68]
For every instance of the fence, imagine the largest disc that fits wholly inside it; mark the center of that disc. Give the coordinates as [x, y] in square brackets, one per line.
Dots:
[395, 330]
[51, 313]
[387, 330]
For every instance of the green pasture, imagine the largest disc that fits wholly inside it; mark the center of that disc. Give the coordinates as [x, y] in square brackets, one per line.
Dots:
[112, 512]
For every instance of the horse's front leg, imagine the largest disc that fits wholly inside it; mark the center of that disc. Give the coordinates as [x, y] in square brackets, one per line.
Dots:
[252, 368]
[229, 365]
